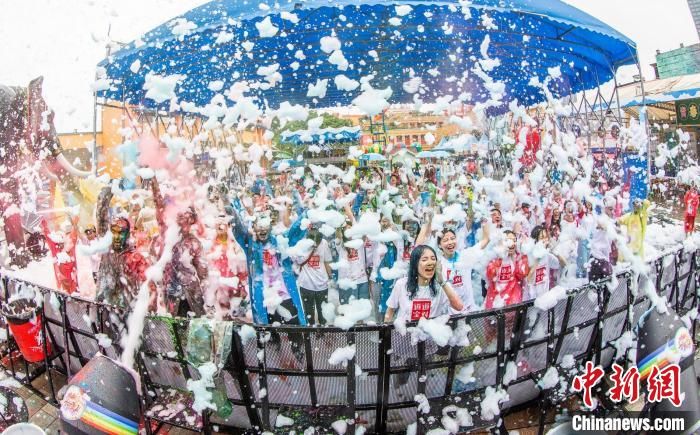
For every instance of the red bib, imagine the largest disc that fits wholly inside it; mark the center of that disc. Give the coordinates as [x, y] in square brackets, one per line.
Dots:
[420, 308]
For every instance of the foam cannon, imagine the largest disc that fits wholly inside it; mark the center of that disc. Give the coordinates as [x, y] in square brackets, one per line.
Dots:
[664, 339]
[102, 398]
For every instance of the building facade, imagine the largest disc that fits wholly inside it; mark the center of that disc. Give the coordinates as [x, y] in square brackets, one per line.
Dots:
[694, 6]
[678, 62]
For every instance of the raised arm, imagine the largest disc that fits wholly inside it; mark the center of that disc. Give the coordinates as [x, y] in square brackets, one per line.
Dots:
[522, 268]
[295, 233]
[102, 212]
[159, 204]
[485, 233]
[452, 296]
[240, 231]
[286, 217]
[348, 212]
[425, 230]
[47, 232]
[74, 229]
[197, 261]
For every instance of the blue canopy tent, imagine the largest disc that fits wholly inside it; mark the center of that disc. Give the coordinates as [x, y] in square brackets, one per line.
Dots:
[219, 42]
[324, 136]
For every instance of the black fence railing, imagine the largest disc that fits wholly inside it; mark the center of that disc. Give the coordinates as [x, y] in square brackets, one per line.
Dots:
[285, 370]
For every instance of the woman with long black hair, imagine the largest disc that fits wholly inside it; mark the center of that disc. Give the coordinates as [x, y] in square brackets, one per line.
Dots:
[458, 264]
[424, 292]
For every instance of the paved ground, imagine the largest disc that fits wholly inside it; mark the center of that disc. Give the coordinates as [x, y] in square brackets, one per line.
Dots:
[45, 414]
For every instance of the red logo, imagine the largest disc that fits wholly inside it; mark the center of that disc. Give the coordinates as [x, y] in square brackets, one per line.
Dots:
[625, 384]
[406, 255]
[353, 255]
[586, 381]
[420, 308]
[314, 261]
[665, 384]
[267, 257]
[457, 280]
[662, 383]
[540, 274]
[506, 273]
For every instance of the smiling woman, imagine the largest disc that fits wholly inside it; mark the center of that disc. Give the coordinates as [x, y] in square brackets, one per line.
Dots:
[423, 293]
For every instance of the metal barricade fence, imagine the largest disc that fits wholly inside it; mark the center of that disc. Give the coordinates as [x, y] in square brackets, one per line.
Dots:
[286, 369]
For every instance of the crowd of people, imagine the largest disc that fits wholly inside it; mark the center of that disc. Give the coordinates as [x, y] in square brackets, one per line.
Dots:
[417, 241]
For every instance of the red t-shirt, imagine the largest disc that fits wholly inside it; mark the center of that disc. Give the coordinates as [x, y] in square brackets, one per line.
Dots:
[505, 278]
[692, 199]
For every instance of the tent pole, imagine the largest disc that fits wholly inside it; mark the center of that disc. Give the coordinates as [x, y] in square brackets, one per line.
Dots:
[617, 97]
[643, 118]
[94, 135]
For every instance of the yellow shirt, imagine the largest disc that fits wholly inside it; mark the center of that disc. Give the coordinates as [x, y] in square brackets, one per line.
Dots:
[636, 224]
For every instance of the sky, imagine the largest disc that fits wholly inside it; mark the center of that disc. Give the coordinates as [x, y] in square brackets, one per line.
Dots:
[63, 40]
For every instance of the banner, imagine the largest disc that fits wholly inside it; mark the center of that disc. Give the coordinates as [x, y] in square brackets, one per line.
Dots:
[688, 112]
[636, 177]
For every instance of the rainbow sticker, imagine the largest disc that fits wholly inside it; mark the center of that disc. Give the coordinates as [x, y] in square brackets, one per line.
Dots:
[677, 348]
[76, 405]
[107, 421]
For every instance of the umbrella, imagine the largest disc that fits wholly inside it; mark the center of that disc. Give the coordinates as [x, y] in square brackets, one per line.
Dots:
[372, 157]
[315, 53]
[440, 154]
[289, 163]
[433, 155]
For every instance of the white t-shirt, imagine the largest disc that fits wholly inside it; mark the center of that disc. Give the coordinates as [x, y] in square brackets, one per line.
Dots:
[356, 268]
[272, 272]
[313, 275]
[458, 272]
[601, 245]
[526, 224]
[422, 305]
[369, 249]
[538, 283]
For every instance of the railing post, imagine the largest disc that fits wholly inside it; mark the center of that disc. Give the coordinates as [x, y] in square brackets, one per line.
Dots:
[306, 338]
[676, 272]
[500, 347]
[44, 339]
[564, 325]
[688, 281]
[383, 378]
[420, 382]
[10, 339]
[659, 273]
[262, 376]
[351, 385]
[64, 319]
[454, 351]
[630, 312]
